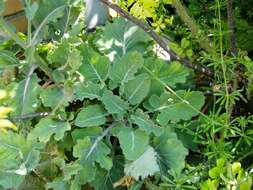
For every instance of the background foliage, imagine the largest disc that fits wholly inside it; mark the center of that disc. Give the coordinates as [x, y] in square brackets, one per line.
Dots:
[107, 110]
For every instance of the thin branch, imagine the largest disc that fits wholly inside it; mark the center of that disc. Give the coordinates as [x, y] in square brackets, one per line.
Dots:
[158, 39]
[29, 116]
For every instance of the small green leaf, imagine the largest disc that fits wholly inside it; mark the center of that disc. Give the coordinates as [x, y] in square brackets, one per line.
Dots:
[125, 68]
[146, 165]
[133, 142]
[48, 127]
[137, 89]
[89, 90]
[185, 43]
[96, 151]
[90, 116]
[114, 104]
[74, 59]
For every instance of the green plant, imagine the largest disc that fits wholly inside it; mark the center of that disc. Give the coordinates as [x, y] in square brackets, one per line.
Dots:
[227, 176]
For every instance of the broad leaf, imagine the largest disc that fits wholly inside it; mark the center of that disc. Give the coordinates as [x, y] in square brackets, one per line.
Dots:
[137, 89]
[125, 68]
[104, 180]
[18, 157]
[90, 116]
[133, 142]
[92, 132]
[144, 122]
[172, 74]
[70, 170]
[96, 151]
[48, 127]
[89, 90]
[114, 104]
[146, 165]
[52, 97]
[26, 100]
[171, 152]
[174, 109]
[121, 37]
[95, 68]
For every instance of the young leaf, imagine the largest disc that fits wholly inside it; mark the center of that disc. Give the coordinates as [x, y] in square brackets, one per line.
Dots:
[174, 109]
[125, 68]
[91, 116]
[86, 150]
[114, 104]
[137, 89]
[171, 152]
[133, 142]
[146, 165]
[48, 127]
[89, 90]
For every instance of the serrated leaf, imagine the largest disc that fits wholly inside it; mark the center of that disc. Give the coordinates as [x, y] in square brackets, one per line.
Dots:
[48, 127]
[86, 150]
[89, 90]
[121, 37]
[125, 68]
[133, 142]
[137, 89]
[144, 122]
[114, 104]
[171, 152]
[90, 116]
[95, 68]
[146, 165]
[174, 109]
